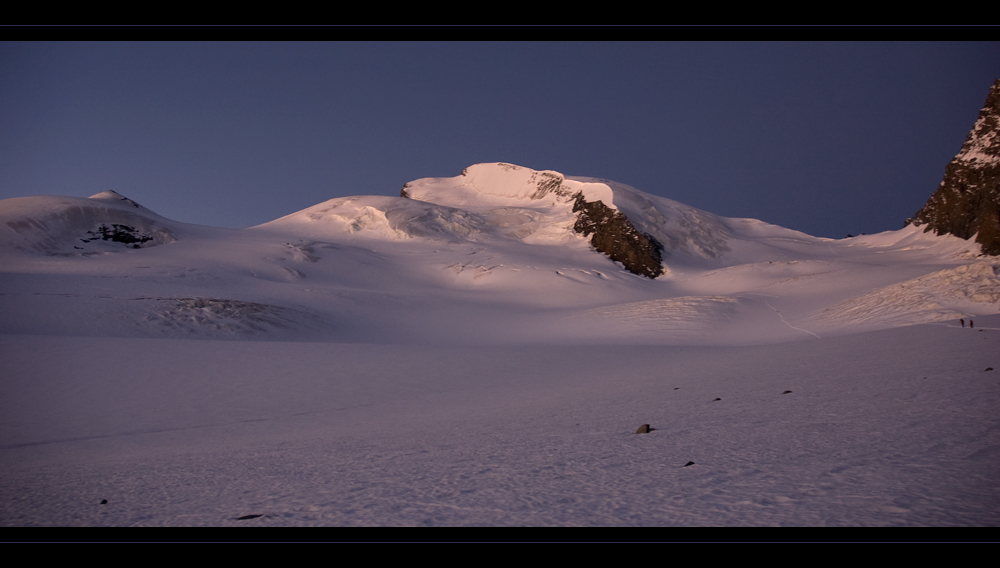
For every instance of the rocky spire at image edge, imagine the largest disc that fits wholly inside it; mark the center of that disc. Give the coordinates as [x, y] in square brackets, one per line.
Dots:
[967, 202]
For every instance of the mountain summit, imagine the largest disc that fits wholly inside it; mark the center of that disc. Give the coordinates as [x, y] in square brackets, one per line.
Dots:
[611, 231]
[967, 203]
[508, 205]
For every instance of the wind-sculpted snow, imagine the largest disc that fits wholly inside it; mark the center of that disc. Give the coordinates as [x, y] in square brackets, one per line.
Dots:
[221, 318]
[159, 317]
[684, 320]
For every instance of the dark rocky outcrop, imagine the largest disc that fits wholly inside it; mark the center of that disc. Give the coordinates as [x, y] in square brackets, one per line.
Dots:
[403, 192]
[119, 234]
[967, 202]
[549, 182]
[615, 236]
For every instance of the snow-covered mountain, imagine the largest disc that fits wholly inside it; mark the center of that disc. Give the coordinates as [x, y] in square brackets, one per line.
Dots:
[500, 253]
[480, 351]
[72, 225]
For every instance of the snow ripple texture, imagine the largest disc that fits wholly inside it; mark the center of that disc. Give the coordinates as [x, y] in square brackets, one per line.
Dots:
[686, 314]
[222, 317]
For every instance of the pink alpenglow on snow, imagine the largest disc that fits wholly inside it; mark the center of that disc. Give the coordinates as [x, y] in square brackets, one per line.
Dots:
[465, 355]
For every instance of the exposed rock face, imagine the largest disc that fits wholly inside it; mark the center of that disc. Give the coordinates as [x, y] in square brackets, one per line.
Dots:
[119, 234]
[616, 237]
[967, 202]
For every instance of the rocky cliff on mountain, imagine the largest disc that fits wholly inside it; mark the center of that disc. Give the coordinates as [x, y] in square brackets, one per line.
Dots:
[615, 236]
[967, 203]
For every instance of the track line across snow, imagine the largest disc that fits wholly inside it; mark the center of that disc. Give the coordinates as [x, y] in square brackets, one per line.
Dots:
[788, 324]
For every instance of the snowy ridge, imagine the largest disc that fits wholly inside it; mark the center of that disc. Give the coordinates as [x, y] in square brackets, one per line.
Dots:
[386, 218]
[545, 199]
[499, 184]
[490, 256]
[982, 147]
[502, 202]
[981, 150]
[679, 228]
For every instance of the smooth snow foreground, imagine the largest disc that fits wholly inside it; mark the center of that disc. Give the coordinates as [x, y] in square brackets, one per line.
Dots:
[461, 356]
[885, 428]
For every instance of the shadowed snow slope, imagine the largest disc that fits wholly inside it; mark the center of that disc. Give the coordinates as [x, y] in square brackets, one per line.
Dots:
[74, 226]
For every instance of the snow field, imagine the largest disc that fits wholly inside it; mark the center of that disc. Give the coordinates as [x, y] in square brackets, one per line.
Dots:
[901, 433]
[463, 357]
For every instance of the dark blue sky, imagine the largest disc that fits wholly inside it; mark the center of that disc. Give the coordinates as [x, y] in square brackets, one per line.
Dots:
[825, 138]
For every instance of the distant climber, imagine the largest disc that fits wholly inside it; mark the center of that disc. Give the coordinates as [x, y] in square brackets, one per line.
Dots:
[971, 325]
[963, 322]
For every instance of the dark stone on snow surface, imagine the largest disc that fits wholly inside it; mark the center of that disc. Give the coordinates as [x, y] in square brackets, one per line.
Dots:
[104, 501]
[989, 368]
[786, 392]
[687, 464]
[967, 202]
[245, 517]
[615, 236]
[644, 429]
[715, 399]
